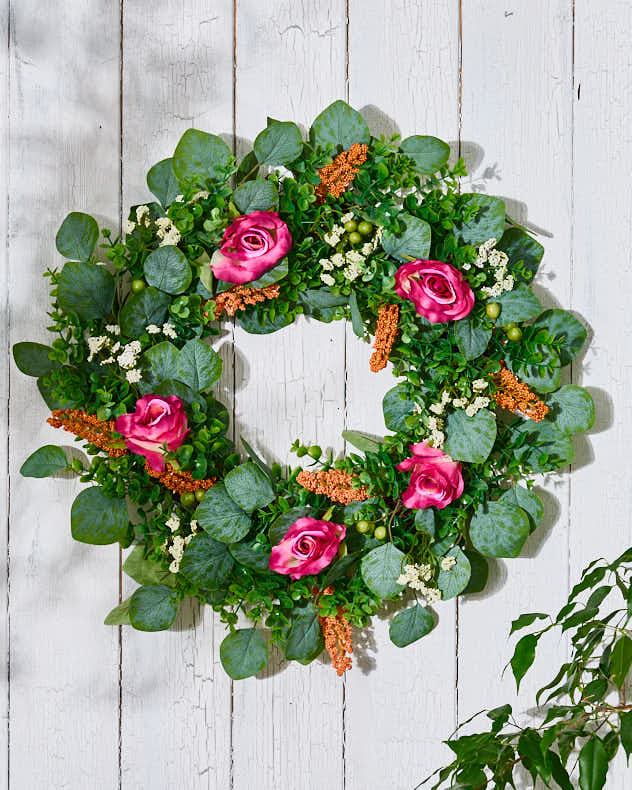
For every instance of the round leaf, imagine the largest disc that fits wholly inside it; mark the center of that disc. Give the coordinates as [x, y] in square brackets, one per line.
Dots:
[381, 568]
[410, 625]
[499, 529]
[258, 323]
[250, 554]
[77, 236]
[543, 375]
[243, 653]
[206, 563]
[159, 364]
[46, 461]
[198, 365]
[470, 438]
[145, 570]
[521, 304]
[571, 409]
[153, 607]
[249, 487]
[221, 517]
[428, 153]
[85, 289]
[148, 307]
[305, 639]
[527, 500]
[33, 359]
[524, 253]
[201, 157]
[279, 144]
[397, 407]
[340, 125]
[162, 182]
[454, 581]
[255, 196]
[489, 221]
[425, 521]
[471, 338]
[566, 330]
[414, 242]
[545, 447]
[167, 268]
[97, 518]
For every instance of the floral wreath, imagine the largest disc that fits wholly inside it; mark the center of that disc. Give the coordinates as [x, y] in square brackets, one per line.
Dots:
[344, 225]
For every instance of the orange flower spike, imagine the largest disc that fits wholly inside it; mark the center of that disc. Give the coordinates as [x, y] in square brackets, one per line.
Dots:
[240, 297]
[515, 396]
[385, 335]
[336, 177]
[179, 482]
[338, 641]
[334, 484]
[89, 428]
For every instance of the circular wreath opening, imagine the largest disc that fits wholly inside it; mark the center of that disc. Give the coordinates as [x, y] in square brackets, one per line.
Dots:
[341, 226]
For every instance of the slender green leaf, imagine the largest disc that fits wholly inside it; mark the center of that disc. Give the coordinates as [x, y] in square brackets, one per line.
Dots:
[47, 461]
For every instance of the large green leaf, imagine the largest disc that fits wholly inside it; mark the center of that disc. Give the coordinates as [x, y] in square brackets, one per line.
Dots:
[97, 518]
[621, 660]
[488, 223]
[33, 359]
[454, 581]
[159, 364]
[153, 607]
[593, 765]
[545, 447]
[249, 487]
[414, 242]
[321, 303]
[167, 268]
[46, 461]
[77, 236]
[206, 563]
[425, 521]
[146, 571]
[499, 529]
[568, 332]
[470, 438]
[410, 625]
[340, 125]
[524, 253]
[428, 153]
[278, 144]
[201, 157]
[251, 554]
[256, 195]
[543, 370]
[148, 307]
[221, 517]
[521, 304]
[257, 323]
[396, 407]
[381, 568]
[522, 497]
[305, 639]
[243, 653]
[85, 289]
[362, 441]
[571, 409]
[471, 338]
[198, 365]
[162, 182]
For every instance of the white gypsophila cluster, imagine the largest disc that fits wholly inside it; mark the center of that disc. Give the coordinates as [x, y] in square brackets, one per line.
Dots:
[95, 344]
[475, 404]
[113, 329]
[152, 329]
[498, 261]
[142, 216]
[133, 376]
[353, 261]
[129, 355]
[416, 576]
[169, 330]
[201, 195]
[167, 232]
[437, 436]
[128, 226]
[173, 522]
[447, 563]
[176, 545]
[126, 356]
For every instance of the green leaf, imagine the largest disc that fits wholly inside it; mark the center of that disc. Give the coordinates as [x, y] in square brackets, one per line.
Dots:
[356, 317]
[97, 518]
[46, 461]
[545, 448]
[248, 168]
[206, 563]
[85, 289]
[571, 409]
[621, 660]
[201, 157]
[258, 323]
[381, 569]
[162, 182]
[159, 363]
[526, 620]
[593, 765]
[180, 390]
[119, 615]
[521, 304]
[470, 438]
[625, 721]
[524, 253]
[198, 365]
[249, 487]
[221, 517]
[488, 223]
[425, 521]
[523, 657]
[362, 441]
[454, 581]
[250, 554]
[153, 607]
[305, 640]
[278, 144]
[414, 242]
[256, 195]
[148, 307]
[340, 125]
[396, 407]
[471, 338]
[77, 236]
[498, 529]
[545, 375]
[280, 526]
[410, 625]
[271, 276]
[479, 568]
[527, 500]
[33, 359]
[320, 302]
[146, 571]
[428, 153]
[243, 653]
[566, 330]
[167, 268]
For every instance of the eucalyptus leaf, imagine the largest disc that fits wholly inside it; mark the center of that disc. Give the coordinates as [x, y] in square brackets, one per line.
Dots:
[339, 125]
[428, 153]
[148, 307]
[119, 615]
[414, 242]
[258, 323]
[381, 568]
[33, 359]
[542, 371]
[479, 573]
[249, 487]
[470, 438]
[97, 518]
[568, 332]
[159, 363]
[162, 182]
[545, 447]
[425, 521]
[489, 221]
[250, 554]
[153, 607]
[201, 157]
[471, 338]
[168, 269]
[571, 409]
[221, 517]
[397, 407]
[45, 462]
[256, 195]
[305, 639]
[86, 289]
[243, 653]
[273, 275]
[278, 144]
[521, 304]
[206, 563]
[356, 317]
[199, 366]
[522, 497]
[499, 529]
[145, 570]
[362, 441]
[77, 237]
[410, 625]
[455, 580]
[523, 251]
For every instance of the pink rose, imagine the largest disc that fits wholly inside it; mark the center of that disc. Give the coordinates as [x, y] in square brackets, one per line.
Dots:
[435, 479]
[156, 423]
[253, 244]
[437, 289]
[308, 546]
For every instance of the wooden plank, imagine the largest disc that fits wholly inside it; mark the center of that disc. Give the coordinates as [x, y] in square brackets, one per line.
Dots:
[601, 485]
[517, 113]
[176, 701]
[64, 156]
[290, 65]
[403, 70]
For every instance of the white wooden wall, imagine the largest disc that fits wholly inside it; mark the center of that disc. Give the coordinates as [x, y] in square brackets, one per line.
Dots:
[537, 94]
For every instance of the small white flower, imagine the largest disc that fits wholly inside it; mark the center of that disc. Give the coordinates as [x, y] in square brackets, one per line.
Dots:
[338, 260]
[142, 215]
[436, 408]
[169, 330]
[173, 522]
[445, 397]
[327, 279]
[193, 526]
[347, 217]
[174, 567]
[432, 423]
[367, 248]
[133, 376]
[326, 264]
[95, 344]
[447, 563]
[179, 199]
[471, 410]
[152, 329]
[108, 361]
[481, 403]
[480, 384]
[113, 329]
[128, 226]
[201, 195]
[459, 403]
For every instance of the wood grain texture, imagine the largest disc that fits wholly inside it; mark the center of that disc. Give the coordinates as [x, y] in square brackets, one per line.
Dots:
[289, 384]
[411, 87]
[64, 154]
[4, 400]
[176, 698]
